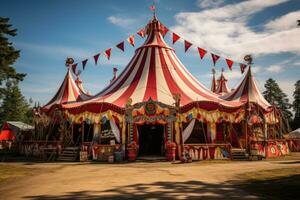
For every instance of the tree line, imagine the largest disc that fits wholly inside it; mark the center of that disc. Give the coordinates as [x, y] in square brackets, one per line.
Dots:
[14, 107]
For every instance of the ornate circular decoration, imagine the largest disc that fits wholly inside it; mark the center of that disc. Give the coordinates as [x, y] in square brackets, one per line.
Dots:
[150, 108]
[273, 151]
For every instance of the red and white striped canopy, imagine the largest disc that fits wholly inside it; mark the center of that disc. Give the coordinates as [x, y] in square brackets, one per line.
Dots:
[67, 92]
[247, 91]
[154, 72]
[222, 87]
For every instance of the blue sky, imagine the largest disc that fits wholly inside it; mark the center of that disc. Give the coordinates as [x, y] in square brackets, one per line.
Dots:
[51, 30]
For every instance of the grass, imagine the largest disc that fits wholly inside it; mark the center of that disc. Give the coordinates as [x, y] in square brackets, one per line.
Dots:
[280, 183]
[12, 171]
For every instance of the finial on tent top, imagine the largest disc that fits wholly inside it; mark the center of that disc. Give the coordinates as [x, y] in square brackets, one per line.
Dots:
[213, 71]
[248, 58]
[153, 8]
[69, 61]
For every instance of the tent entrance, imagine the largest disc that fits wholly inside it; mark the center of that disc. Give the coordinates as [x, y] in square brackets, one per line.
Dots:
[151, 140]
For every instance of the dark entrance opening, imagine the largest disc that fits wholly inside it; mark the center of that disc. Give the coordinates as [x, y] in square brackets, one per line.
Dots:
[151, 140]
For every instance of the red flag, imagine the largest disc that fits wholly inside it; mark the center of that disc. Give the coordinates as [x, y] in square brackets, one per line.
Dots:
[214, 58]
[187, 45]
[84, 63]
[121, 45]
[164, 30]
[243, 67]
[96, 58]
[202, 52]
[131, 40]
[107, 53]
[74, 68]
[141, 33]
[229, 63]
[152, 8]
[175, 37]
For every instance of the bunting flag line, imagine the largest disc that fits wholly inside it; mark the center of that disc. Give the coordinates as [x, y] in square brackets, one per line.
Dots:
[121, 45]
[175, 37]
[84, 63]
[229, 63]
[130, 40]
[74, 68]
[165, 30]
[202, 52]
[141, 33]
[96, 58]
[242, 67]
[187, 45]
[107, 53]
[215, 58]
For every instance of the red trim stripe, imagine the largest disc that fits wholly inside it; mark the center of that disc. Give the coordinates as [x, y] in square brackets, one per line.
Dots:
[151, 90]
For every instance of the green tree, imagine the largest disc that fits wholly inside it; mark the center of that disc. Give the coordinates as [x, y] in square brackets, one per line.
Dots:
[274, 95]
[296, 105]
[13, 105]
[8, 56]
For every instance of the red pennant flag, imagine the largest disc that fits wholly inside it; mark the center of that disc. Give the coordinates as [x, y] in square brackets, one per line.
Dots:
[229, 63]
[96, 58]
[243, 67]
[187, 45]
[107, 53]
[131, 40]
[175, 37]
[141, 33]
[164, 30]
[84, 63]
[121, 45]
[74, 68]
[202, 52]
[214, 58]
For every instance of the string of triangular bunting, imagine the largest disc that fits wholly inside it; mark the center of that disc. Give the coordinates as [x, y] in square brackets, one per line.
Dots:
[175, 37]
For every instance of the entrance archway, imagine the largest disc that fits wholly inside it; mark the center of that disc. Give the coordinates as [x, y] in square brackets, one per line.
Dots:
[151, 140]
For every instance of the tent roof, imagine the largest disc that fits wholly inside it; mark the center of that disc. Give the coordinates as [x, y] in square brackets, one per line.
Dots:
[222, 87]
[7, 135]
[247, 91]
[154, 72]
[20, 125]
[67, 92]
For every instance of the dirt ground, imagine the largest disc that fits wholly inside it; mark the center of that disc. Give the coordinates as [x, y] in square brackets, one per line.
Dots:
[140, 180]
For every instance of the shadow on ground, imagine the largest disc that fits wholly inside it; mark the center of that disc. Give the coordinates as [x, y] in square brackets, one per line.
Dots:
[157, 190]
[279, 188]
[275, 188]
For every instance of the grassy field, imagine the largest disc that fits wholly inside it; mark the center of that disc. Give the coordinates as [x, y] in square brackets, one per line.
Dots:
[13, 171]
[280, 183]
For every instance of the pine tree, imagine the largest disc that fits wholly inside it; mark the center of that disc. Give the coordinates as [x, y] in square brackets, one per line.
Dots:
[8, 56]
[274, 95]
[13, 105]
[296, 105]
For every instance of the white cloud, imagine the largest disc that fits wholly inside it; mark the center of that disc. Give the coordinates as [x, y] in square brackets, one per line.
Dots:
[120, 21]
[275, 68]
[209, 3]
[285, 22]
[225, 29]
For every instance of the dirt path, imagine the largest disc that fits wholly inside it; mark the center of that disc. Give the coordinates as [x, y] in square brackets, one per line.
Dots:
[135, 180]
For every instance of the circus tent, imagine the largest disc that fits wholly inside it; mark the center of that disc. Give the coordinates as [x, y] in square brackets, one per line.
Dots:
[69, 91]
[222, 87]
[247, 92]
[154, 73]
